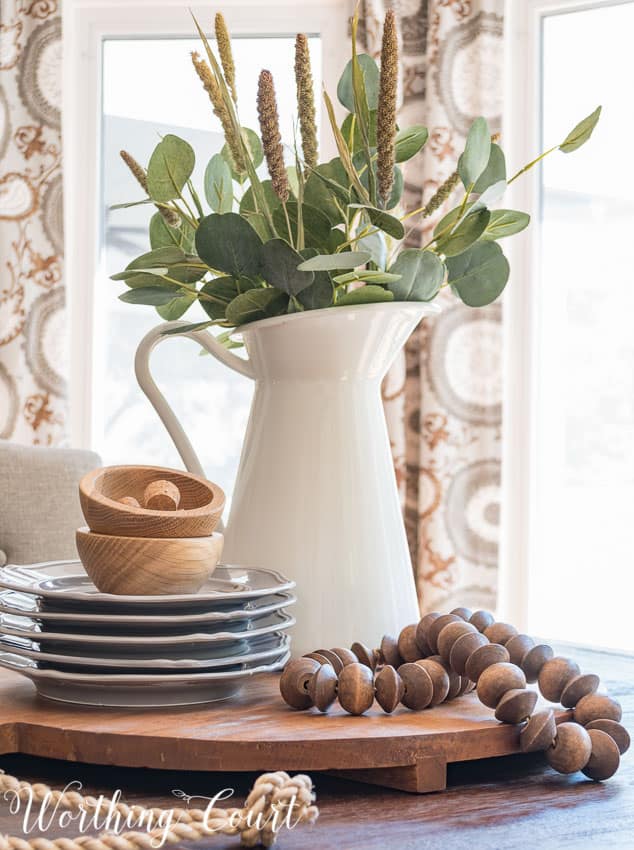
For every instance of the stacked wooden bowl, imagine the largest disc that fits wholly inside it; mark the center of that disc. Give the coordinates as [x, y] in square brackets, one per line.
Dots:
[151, 530]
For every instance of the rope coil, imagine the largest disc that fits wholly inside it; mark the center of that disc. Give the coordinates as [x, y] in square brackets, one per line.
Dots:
[276, 799]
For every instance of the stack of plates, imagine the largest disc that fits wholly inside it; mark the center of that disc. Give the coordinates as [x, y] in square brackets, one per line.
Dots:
[82, 646]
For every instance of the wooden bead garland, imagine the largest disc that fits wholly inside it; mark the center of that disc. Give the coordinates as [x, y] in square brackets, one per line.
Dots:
[444, 656]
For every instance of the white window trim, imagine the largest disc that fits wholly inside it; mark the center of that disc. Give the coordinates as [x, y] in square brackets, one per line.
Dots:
[86, 23]
[522, 142]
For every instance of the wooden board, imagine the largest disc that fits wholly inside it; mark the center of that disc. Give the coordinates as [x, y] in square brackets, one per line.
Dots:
[256, 731]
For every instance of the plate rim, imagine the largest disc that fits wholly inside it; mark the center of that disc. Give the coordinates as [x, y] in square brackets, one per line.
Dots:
[284, 584]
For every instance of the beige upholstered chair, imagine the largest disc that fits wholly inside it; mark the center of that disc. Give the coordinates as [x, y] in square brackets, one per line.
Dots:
[39, 503]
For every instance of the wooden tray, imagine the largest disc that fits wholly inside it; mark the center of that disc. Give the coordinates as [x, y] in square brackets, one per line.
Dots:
[258, 732]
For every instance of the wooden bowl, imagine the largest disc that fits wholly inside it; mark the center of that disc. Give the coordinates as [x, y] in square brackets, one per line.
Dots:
[148, 566]
[201, 503]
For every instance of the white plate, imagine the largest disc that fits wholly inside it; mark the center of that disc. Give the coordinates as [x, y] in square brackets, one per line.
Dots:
[26, 628]
[269, 649]
[24, 605]
[66, 582]
[158, 690]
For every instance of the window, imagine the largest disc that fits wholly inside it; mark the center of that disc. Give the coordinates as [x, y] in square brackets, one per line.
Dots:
[141, 65]
[578, 382]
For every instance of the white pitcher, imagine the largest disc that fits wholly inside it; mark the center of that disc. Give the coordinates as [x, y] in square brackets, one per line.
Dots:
[315, 496]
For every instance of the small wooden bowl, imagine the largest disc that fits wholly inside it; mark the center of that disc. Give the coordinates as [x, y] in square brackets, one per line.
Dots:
[201, 503]
[143, 566]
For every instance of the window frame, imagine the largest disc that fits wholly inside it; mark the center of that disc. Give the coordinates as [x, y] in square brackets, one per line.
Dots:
[86, 24]
[522, 131]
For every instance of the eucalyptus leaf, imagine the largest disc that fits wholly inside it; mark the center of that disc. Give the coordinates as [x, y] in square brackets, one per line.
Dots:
[163, 236]
[352, 134]
[256, 304]
[370, 75]
[505, 223]
[280, 267]
[410, 141]
[223, 290]
[177, 307]
[146, 269]
[254, 145]
[321, 292]
[248, 203]
[229, 244]
[475, 157]
[155, 296]
[316, 225]
[335, 262]
[383, 220]
[218, 185]
[170, 167]
[327, 189]
[494, 171]
[196, 326]
[581, 133]
[490, 195]
[375, 244]
[421, 275]
[369, 294]
[479, 275]
[465, 234]
[367, 276]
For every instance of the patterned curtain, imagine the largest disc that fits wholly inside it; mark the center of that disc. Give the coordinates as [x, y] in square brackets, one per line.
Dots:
[443, 399]
[32, 315]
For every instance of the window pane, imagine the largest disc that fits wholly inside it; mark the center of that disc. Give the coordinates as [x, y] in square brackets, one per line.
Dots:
[149, 89]
[582, 561]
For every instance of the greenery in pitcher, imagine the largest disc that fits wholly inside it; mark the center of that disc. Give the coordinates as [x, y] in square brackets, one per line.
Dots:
[316, 235]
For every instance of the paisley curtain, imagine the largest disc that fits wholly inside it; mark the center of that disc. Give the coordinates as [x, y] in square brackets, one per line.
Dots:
[443, 398]
[32, 312]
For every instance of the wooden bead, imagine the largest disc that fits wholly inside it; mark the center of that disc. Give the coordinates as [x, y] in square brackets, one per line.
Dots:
[462, 649]
[500, 632]
[455, 681]
[465, 684]
[436, 628]
[322, 687]
[605, 757]
[130, 501]
[389, 688]
[496, 680]
[516, 705]
[407, 646]
[618, 733]
[333, 659]
[518, 646]
[364, 655]
[464, 613]
[294, 682]
[439, 679]
[555, 675]
[577, 688]
[483, 657]
[534, 660]
[450, 634]
[346, 656]
[317, 657]
[421, 633]
[571, 748]
[419, 688]
[597, 707]
[389, 651]
[482, 620]
[539, 733]
[161, 495]
[356, 688]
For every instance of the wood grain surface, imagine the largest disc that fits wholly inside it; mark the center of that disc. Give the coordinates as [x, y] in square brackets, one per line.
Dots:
[505, 803]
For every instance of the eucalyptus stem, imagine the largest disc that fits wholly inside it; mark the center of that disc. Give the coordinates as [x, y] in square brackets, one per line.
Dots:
[531, 164]
[288, 224]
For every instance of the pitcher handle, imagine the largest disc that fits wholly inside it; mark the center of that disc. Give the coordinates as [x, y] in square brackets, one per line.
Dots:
[156, 397]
